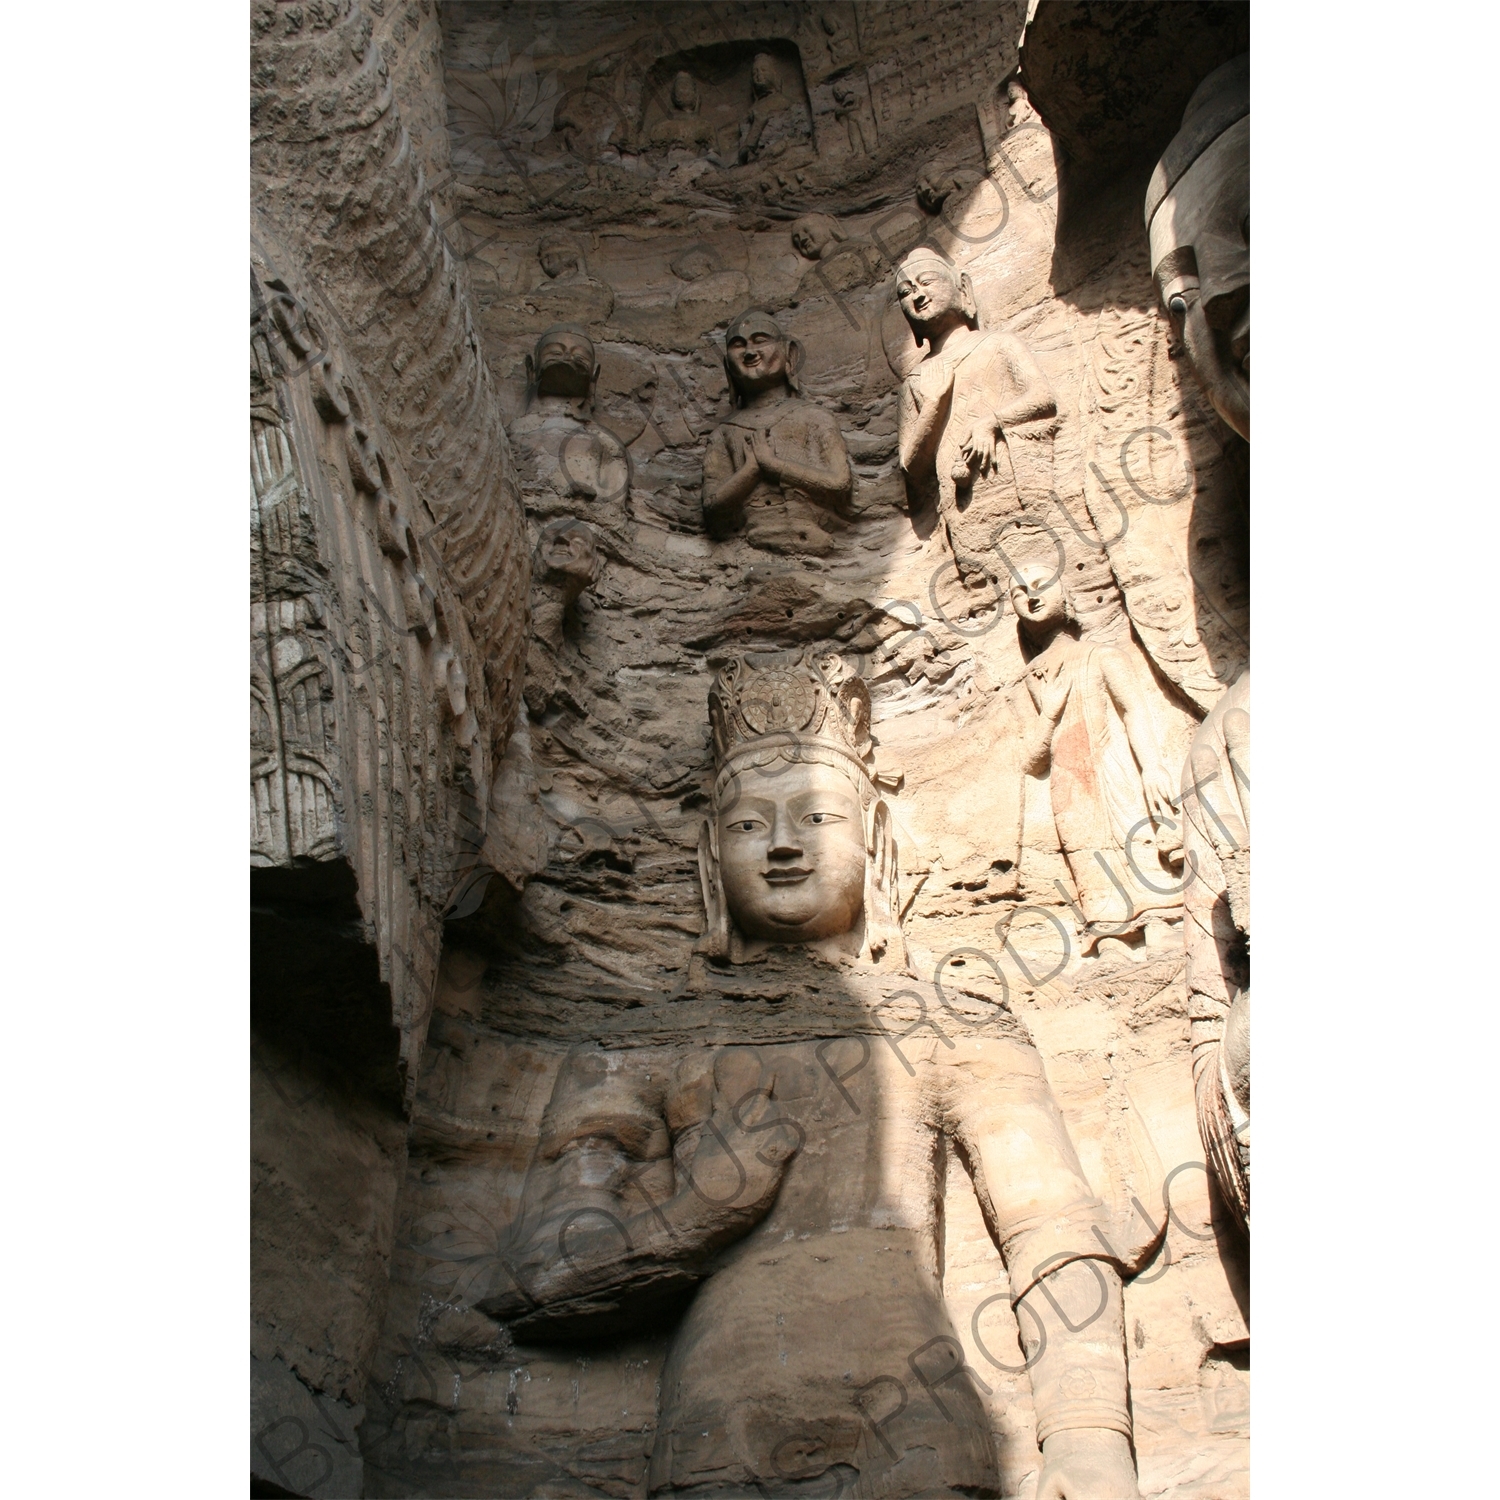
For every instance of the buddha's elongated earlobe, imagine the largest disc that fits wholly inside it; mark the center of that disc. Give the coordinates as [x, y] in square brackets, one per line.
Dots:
[794, 355]
[715, 939]
[882, 897]
[967, 301]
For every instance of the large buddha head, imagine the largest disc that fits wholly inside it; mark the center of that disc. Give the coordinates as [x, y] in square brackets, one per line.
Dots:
[799, 846]
[1198, 222]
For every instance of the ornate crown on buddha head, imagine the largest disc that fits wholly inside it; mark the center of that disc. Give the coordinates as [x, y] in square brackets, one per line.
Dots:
[781, 722]
[771, 706]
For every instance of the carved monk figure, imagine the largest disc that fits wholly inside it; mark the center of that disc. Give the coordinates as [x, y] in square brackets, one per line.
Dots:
[565, 562]
[1112, 798]
[563, 455]
[844, 264]
[774, 121]
[566, 292]
[977, 414]
[793, 1191]
[777, 467]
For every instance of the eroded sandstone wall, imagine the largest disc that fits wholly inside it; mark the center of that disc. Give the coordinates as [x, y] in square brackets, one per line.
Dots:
[389, 582]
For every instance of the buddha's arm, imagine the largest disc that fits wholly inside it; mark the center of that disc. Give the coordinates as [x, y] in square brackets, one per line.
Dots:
[920, 418]
[642, 1216]
[1033, 398]
[1140, 729]
[1036, 741]
[1042, 1213]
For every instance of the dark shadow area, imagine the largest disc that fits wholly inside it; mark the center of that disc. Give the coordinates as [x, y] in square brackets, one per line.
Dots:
[1110, 81]
[315, 988]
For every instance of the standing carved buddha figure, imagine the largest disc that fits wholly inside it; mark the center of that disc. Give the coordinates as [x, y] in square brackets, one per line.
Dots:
[1198, 220]
[1112, 797]
[788, 1188]
[777, 467]
[977, 414]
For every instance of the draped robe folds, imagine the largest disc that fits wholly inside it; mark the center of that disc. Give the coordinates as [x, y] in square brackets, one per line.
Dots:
[1216, 815]
[981, 377]
[780, 518]
[1098, 803]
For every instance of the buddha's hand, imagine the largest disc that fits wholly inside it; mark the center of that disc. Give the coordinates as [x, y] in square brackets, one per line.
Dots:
[1160, 797]
[1087, 1463]
[760, 447]
[979, 446]
[931, 383]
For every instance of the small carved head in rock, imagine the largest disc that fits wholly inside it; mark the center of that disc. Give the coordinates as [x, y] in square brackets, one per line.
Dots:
[560, 257]
[758, 356]
[844, 93]
[563, 363]
[567, 557]
[934, 294]
[813, 234]
[799, 847]
[1040, 601]
[765, 77]
[936, 183]
[685, 93]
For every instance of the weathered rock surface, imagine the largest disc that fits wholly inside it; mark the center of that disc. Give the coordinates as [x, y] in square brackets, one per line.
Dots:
[578, 1027]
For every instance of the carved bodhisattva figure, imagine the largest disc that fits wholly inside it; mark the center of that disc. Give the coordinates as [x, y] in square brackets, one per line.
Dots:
[774, 121]
[1112, 795]
[777, 467]
[977, 415]
[787, 1189]
[566, 460]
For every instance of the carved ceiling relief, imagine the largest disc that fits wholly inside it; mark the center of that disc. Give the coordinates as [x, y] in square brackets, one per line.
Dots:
[843, 506]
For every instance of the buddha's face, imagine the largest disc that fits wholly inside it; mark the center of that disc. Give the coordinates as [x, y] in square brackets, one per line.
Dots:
[757, 354]
[1037, 597]
[930, 293]
[763, 75]
[792, 852]
[564, 362]
[685, 93]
